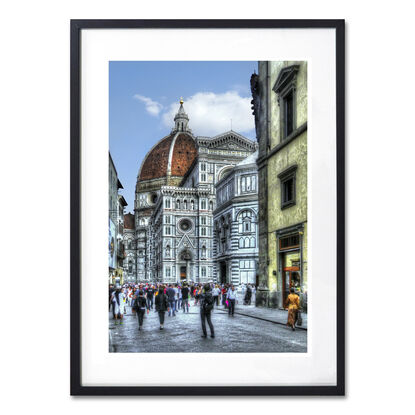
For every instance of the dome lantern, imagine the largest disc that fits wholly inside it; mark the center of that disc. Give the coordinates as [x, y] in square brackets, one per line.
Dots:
[181, 120]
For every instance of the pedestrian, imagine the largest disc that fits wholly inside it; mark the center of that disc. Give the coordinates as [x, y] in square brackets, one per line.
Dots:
[141, 306]
[205, 298]
[150, 296]
[162, 305]
[224, 292]
[293, 305]
[215, 294]
[185, 297]
[231, 297]
[118, 300]
[248, 295]
[171, 296]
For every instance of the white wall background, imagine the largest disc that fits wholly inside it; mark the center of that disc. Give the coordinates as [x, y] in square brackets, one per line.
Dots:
[34, 94]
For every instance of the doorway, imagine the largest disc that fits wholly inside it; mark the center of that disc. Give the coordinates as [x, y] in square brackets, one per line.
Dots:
[223, 276]
[182, 273]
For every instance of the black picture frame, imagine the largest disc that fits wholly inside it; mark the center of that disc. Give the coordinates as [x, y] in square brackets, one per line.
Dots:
[76, 387]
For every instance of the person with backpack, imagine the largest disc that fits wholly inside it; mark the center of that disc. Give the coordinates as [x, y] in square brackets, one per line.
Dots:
[140, 307]
[206, 305]
[162, 305]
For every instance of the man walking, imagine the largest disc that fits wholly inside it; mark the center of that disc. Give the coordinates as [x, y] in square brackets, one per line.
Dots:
[185, 297]
[150, 296]
[206, 306]
[171, 297]
[141, 306]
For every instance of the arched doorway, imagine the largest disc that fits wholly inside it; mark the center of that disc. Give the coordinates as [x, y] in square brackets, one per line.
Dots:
[185, 259]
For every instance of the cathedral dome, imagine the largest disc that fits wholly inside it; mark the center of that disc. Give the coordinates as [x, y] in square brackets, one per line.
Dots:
[173, 154]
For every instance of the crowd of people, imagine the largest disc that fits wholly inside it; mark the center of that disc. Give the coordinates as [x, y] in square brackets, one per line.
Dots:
[172, 298]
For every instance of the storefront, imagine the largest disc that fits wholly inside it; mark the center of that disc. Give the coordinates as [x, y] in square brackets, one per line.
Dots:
[290, 255]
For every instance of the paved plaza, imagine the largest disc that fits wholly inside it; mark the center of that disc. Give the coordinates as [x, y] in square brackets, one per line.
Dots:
[250, 330]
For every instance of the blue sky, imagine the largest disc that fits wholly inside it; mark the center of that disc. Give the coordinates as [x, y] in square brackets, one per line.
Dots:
[144, 96]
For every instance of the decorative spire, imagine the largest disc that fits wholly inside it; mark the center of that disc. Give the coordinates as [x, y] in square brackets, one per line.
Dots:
[181, 119]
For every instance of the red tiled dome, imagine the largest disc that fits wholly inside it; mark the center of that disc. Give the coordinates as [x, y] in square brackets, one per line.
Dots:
[157, 163]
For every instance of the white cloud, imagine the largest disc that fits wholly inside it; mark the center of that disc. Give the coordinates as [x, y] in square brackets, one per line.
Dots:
[152, 107]
[211, 114]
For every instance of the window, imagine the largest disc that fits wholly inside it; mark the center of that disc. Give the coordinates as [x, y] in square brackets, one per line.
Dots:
[130, 266]
[243, 184]
[167, 203]
[252, 242]
[203, 231]
[211, 205]
[288, 187]
[203, 220]
[185, 205]
[177, 204]
[203, 204]
[203, 272]
[167, 219]
[192, 204]
[167, 250]
[203, 177]
[285, 88]
[168, 272]
[168, 230]
[290, 242]
[203, 167]
[203, 251]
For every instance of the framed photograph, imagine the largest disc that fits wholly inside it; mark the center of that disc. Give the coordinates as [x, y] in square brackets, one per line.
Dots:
[207, 207]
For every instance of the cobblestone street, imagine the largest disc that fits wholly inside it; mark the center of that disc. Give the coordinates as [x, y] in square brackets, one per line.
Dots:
[182, 333]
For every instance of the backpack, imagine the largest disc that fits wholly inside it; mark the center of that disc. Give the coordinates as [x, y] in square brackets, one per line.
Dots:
[208, 302]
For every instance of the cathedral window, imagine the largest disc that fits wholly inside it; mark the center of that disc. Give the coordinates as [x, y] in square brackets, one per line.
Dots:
[211, 205]
[203, 167]
[203, 220]
[246, 243]
[168, 272]
[168, 230]
[203, 177]
[167, 203]
[203, 204]
[203, 231]
[177, 204]
[203, 272]
[252, 242]
[185, 205]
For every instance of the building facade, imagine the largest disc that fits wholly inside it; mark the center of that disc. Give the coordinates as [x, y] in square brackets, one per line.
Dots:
[279, 93]
[175, 199]
[116, 205]
[130, 260]
[235, 243]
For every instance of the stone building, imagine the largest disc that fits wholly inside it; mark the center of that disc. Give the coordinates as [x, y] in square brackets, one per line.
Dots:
[175, 199]
[280, 107]
[130, 262]
[235, 248]
[116, 205]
